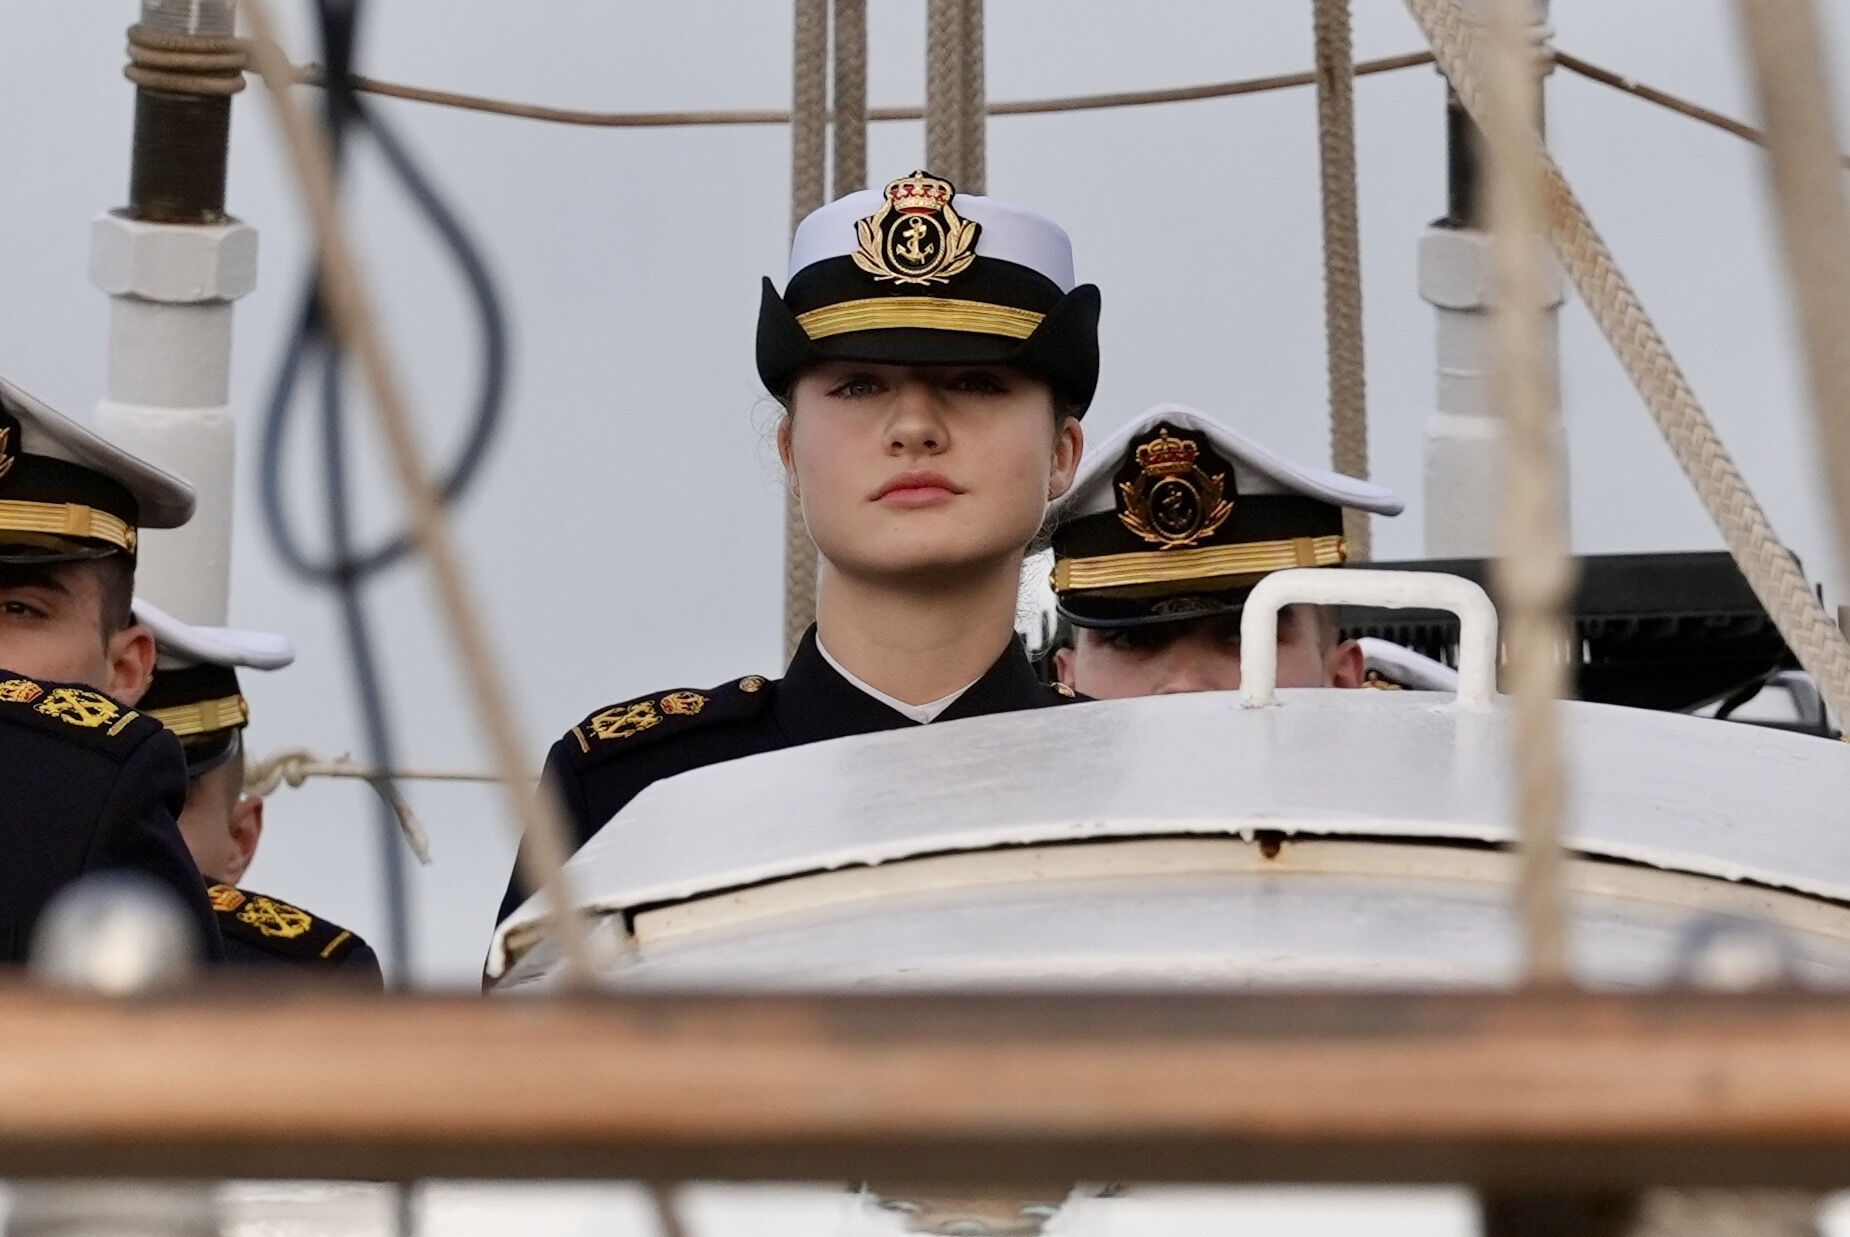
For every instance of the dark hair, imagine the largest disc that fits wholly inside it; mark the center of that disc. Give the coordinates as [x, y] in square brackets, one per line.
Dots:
[115, 575]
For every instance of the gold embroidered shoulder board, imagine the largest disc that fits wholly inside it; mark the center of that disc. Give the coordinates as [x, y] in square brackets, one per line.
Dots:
[273, 926]
[72, 711]
[619, 728]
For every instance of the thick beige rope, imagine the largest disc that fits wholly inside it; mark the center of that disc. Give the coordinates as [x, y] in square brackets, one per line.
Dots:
[1342, 257]
[944, 45]
[350, 313]
[809, 107]
[1727, 1213]
[1784, 43]
[972, 101]
[848, 121]
[1769, 567]
[1534, 575]
[262, 778]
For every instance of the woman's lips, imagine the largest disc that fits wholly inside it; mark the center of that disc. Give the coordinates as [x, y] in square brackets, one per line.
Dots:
[917, 489]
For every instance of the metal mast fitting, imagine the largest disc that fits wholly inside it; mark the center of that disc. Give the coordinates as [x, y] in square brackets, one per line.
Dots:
[172, 263]
[1463, 461]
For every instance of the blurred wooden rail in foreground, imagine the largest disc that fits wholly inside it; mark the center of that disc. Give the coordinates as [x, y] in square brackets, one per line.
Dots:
[1569, 1089]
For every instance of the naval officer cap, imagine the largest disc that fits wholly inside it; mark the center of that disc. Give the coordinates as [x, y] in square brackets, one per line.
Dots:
[1176, 517]
[67, 493]
[195, 692]
[919, 274]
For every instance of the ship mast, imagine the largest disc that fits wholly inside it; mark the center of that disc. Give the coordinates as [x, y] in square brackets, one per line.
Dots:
[1455, 277]
[173, 262]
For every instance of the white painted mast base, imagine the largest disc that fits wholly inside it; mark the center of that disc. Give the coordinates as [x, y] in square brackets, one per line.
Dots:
[168, 385]
[1463, 437]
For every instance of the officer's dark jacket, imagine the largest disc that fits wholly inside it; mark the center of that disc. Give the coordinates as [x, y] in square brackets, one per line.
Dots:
[86, 784]
[262, 931]
[610, 757]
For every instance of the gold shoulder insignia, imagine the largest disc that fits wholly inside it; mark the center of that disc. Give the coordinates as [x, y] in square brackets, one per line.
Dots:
[635, 723]
[225, 898]
[684, 703]
[80, 707]
[19, 691]
[1064, 690]
[277, 919]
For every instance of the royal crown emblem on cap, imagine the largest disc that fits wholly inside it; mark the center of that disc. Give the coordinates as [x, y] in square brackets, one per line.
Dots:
[1173, 501]
[9, 443]
[917, 236]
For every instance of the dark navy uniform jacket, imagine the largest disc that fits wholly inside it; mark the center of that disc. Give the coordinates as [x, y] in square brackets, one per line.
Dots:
[86, 785]
[262, 931]
[607, 759]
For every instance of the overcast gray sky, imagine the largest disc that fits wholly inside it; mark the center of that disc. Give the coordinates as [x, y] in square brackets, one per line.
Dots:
[627, 537]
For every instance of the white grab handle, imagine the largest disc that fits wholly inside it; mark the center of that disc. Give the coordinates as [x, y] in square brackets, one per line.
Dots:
[1390, 590]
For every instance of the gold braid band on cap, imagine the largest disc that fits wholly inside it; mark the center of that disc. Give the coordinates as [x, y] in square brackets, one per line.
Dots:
[933, 313]
[66, 520]
[205, 717]
[1205, 563]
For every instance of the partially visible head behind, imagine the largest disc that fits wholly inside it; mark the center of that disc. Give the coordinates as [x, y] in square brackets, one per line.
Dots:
[933, 354]
[72, 506]
[1165, 532]
[197, 696]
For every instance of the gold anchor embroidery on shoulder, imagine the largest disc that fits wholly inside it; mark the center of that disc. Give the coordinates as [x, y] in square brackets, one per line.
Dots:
[79, 707]
[916, 237]
[273, 918]
[622, 722]
[684, 704]
[20, 691]
[1173, 502]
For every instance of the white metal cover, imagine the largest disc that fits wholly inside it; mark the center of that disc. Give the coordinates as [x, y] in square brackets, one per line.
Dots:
[1686, 794]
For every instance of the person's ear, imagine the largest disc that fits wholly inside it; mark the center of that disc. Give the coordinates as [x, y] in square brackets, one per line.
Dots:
[131, 663]
[1063, 660]
[1346, 665]
[788, 457]
[246, 832]
[1068, 446]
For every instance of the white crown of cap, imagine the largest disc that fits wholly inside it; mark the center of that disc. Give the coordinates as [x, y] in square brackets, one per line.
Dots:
[1009, 233]
[181, 644]
[1256, 469]
[166, 501]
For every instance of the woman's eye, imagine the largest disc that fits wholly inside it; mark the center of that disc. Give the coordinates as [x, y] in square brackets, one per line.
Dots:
[855, 388]
[979, 382]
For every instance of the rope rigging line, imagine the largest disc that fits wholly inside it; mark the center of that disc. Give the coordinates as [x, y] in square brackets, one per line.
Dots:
[972, 97]
[848, 120]
[1534, 576]
[351, 322]
[944, 111]
[809, 107]
[1806, 180]
[313, 75]
[1342, 257]
[1769, 567]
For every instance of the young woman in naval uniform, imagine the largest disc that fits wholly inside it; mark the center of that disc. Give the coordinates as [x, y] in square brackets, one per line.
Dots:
[933, 354]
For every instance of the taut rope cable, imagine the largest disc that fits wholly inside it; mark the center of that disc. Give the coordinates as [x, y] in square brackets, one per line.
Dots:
[1769, 567]
[944, 145]
[809, 107]
[1535, 571]
[1342, 256]
[848, 121]
[351, 319]
[1806, 177]
[972, 96]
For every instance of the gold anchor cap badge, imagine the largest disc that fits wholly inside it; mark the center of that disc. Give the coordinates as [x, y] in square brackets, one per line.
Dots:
[916, 237]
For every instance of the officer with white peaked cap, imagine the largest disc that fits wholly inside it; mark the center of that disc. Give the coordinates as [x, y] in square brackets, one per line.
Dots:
[196, 695]
[1170, 523]
[92, 783]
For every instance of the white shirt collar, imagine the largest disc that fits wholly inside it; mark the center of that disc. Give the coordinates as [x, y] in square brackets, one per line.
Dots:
[921, 713]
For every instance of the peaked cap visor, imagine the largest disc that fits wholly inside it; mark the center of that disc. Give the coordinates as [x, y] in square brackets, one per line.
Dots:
[163, 500]
[1108, 613]
[1062, 347]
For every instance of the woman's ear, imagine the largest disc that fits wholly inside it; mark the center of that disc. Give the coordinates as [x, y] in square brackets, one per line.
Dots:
[784, 453]
[1068, 445]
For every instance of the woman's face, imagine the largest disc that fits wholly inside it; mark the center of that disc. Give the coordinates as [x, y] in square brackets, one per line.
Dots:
[908, 471]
